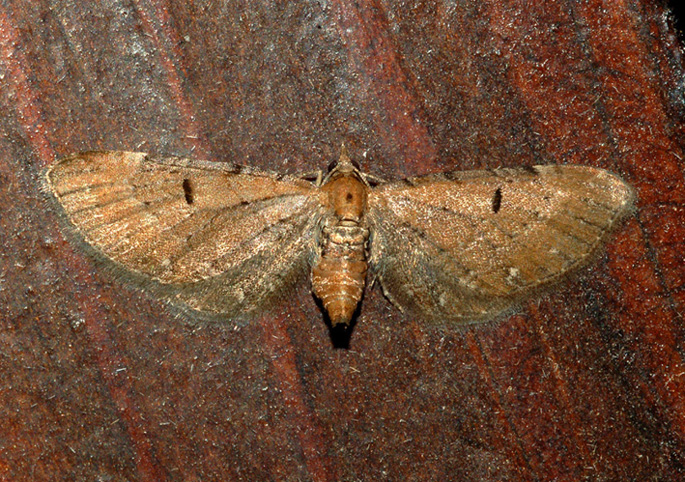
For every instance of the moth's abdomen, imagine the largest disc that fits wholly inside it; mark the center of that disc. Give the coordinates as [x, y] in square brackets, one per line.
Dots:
[339, 277]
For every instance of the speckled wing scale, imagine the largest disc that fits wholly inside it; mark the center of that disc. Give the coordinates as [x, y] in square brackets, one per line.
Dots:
[456, 247]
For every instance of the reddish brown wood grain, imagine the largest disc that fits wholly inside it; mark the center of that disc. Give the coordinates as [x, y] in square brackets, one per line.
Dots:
[100, 380]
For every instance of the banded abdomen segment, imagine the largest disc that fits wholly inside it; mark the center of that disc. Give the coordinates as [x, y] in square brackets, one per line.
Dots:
[339, 277]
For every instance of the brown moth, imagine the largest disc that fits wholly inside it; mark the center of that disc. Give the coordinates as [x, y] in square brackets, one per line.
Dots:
[228, 240]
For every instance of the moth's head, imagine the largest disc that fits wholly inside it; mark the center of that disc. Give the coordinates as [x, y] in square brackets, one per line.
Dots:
[344, 166]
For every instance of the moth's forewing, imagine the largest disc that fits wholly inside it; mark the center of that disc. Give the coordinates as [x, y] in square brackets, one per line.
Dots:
[218, 237]
[465, 246]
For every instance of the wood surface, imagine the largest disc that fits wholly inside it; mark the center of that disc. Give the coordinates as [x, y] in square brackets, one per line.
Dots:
[101, 381]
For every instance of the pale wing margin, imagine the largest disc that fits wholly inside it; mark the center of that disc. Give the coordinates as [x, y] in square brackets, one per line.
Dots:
[463, 247]
[220, 238]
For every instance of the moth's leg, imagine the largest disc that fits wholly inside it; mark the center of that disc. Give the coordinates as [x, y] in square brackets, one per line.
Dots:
[387, 295]
[317, 175]
[373, 179]
[373, 281]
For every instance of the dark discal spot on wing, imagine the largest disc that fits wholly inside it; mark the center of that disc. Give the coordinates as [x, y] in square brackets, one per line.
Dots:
[188, 191]
[497, 200]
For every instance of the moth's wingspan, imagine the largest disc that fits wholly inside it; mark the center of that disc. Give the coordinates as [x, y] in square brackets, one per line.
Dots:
[198, 228]
[465, 246]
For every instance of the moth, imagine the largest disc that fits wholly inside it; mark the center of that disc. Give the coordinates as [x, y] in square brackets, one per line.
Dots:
[456, 247]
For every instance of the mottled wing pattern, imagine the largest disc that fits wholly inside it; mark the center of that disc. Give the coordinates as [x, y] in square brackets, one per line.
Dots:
[218, 237]
[464, 246]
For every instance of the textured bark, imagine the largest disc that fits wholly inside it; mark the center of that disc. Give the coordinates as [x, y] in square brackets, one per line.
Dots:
[101, 380]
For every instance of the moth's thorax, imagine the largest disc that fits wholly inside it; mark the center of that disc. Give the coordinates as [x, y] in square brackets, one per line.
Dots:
[347, 195]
